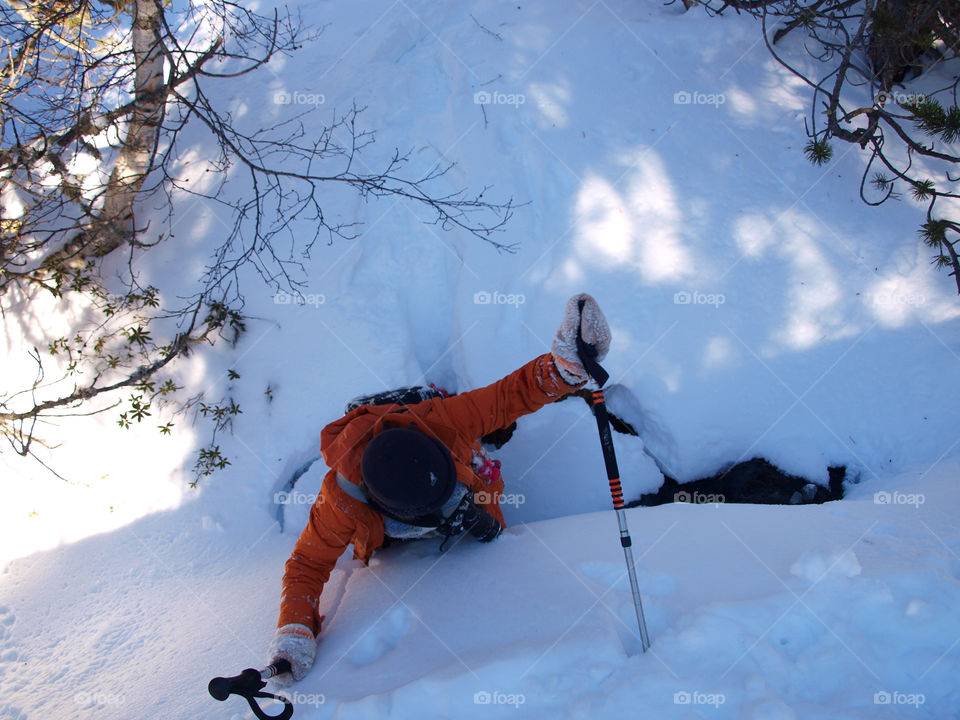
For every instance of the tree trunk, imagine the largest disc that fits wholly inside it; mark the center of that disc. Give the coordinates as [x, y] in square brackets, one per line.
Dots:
[134, 160]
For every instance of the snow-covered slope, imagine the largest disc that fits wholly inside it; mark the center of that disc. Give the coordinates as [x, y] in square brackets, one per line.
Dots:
[753, 611]
[758, 308]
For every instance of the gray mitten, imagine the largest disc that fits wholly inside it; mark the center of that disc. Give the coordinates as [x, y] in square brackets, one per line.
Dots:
[594, 329]
[296, 644]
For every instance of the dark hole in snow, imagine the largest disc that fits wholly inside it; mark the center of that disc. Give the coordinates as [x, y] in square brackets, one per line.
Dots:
[755, 481]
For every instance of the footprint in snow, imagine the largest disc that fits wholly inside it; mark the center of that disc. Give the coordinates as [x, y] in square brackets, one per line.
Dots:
[382, 637]
[7, 619]
[9, 656]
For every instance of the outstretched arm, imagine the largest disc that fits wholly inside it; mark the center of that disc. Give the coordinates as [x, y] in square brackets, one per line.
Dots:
[539, 382]
[480, 412]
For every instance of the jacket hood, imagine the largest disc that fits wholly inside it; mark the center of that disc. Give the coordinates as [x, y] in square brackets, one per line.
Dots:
[342, 442]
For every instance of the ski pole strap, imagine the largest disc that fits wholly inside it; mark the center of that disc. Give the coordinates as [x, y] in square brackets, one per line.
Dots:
[588, 354]
[249, 685]
[352, 490]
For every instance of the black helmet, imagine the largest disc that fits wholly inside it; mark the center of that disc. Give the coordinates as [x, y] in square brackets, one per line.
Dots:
[408, 474]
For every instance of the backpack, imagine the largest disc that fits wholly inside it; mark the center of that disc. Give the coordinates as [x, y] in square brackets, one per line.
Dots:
[413, 394]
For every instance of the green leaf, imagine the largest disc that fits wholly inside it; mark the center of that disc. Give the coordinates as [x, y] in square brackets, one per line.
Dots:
[138, 335]
[146, 386]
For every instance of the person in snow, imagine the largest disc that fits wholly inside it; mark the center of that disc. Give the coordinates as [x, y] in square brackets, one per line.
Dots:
[416, 470]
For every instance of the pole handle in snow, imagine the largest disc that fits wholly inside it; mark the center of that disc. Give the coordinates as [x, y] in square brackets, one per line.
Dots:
[249, 685]
[588, 357]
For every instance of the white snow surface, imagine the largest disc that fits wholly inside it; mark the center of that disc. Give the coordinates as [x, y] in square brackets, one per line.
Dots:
[757, 308]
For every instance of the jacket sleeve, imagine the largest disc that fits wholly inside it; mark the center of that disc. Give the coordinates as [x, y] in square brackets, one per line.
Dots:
[322, 542]
[479, 412]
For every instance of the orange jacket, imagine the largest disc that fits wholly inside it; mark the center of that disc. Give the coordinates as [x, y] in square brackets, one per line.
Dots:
[337, 520]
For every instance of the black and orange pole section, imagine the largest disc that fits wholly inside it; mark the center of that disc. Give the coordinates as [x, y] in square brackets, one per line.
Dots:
[588, 356]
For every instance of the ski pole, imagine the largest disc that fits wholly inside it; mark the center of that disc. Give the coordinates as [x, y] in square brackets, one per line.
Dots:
[588, 356]
[249, 684]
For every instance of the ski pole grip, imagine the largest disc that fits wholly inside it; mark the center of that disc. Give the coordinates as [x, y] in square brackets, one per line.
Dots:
[245, 683]
[249, 685]
[249, 681]
[588, 353]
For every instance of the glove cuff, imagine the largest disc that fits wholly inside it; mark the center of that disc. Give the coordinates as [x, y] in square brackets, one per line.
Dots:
[296, 629]
[572, 373]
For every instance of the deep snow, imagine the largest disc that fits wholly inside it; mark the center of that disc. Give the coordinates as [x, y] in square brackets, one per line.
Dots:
[757, 307]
